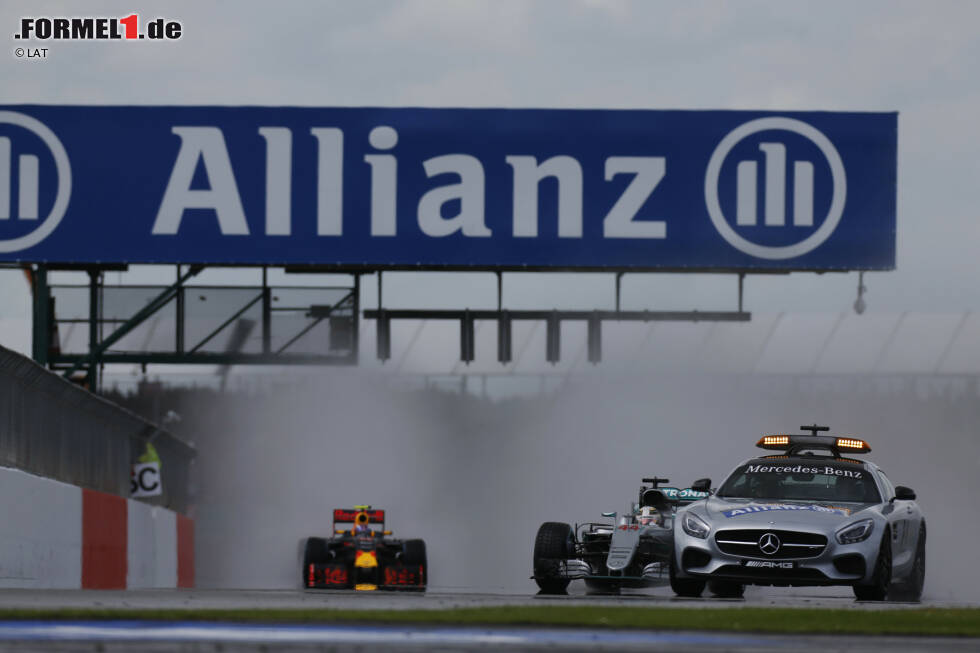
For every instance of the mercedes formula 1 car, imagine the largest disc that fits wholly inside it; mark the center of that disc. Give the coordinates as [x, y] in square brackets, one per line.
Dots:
[805, 516]
[362, 558]
[632, 550]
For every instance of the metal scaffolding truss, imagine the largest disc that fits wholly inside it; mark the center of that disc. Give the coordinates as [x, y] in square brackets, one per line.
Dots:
[552, 319]
[79, 328]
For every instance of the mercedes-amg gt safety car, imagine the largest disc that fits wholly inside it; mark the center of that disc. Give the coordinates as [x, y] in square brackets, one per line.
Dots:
[631, 550]
[805, 516]
[362, 558]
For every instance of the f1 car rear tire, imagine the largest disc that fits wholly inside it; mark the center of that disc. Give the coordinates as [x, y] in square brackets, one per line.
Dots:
[882, 577]
[687, 587]
[553, 544]
[413, 553]
[314, 553]
[726, 589]
[911, 588]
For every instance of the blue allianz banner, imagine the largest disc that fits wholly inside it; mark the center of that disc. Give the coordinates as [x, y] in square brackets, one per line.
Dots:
[448, 188]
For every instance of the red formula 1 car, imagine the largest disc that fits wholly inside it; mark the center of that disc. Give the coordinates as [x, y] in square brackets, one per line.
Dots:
[363, 558]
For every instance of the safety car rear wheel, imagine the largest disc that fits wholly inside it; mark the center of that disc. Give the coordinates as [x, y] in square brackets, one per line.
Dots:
[554, 543]
[911, 588]
[881, 579]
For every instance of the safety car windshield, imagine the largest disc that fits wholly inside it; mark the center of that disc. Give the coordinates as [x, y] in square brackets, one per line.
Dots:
[800, 481]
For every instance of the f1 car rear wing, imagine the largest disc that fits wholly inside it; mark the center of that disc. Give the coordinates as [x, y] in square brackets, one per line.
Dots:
[686, 495]
[662, 498]
[358, 515]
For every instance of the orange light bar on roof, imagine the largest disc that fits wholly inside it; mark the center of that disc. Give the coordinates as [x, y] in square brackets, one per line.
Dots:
[853, 444]
[773, 442]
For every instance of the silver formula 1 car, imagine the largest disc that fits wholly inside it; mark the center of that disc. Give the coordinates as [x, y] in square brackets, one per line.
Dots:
[807, 516]
[631, 550]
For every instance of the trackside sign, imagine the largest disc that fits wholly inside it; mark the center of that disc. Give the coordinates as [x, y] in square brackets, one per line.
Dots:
[449, 188]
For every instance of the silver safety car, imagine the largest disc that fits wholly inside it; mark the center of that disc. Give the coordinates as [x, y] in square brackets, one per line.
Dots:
[808, 515]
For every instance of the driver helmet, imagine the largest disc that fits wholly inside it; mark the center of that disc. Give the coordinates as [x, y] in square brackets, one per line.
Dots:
[361, 524]
[649, 515]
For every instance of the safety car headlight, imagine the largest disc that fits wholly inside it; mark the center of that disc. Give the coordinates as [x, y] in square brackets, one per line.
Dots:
[856, 532]
[695, 526]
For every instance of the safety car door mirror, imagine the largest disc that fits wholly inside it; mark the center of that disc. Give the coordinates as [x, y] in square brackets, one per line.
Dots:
[903, 493]
[701, 485]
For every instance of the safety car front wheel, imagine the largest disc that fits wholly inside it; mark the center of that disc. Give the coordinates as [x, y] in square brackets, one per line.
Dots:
[687, 587]
[881, 579]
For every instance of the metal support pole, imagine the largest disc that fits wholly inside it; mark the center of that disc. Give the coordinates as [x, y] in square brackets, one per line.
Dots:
[42, 317]
[553, 338]
[500, 290]
[383, 334]
[619, 281]
[504, 338]
[594, 339]
[94, 279]
[356, 327]
[266, 312]
[383, 327]
[741, 281]
[467, 349]
[180, 314]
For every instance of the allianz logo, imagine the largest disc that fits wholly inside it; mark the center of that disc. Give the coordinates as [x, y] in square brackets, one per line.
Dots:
[775, 164]
[29, 184]
[205, 147]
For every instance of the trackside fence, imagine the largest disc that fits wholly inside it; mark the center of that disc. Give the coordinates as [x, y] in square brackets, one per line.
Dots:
[53, 428]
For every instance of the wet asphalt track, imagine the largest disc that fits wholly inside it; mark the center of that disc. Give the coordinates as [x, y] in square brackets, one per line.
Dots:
[175, 636]
[436, 598]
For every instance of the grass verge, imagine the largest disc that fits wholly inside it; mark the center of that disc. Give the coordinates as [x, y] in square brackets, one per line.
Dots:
[960, 622]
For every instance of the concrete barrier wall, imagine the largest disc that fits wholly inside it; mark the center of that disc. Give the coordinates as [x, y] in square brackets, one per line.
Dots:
[56, 535]
[40, 532]
[151, 546]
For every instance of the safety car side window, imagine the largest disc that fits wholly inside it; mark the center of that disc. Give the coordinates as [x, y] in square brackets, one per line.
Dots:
[889, 489]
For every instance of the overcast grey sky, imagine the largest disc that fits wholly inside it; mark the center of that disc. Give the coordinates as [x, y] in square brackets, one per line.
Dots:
[919, 58]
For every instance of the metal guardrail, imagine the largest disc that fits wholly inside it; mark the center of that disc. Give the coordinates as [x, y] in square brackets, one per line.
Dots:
[53, 428]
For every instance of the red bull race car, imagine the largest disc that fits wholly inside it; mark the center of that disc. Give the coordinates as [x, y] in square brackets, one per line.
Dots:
[363, 557]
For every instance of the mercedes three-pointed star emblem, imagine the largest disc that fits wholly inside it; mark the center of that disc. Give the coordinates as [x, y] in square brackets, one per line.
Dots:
[769, 544]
